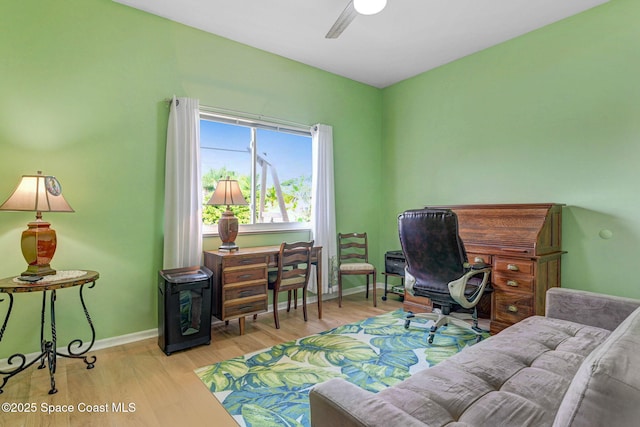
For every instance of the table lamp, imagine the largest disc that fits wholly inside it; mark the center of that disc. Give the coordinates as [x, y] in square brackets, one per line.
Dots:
[227, 193]
[38, 193]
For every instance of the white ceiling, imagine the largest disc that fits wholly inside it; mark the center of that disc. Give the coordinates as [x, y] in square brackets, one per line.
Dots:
[407, 38]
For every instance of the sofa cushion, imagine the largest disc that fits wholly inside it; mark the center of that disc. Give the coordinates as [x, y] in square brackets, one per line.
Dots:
[518, 377]
[588, 308]
[608, 378]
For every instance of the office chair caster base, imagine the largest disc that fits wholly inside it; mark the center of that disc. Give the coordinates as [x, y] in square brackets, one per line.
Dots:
[432, 333]
[407, 319]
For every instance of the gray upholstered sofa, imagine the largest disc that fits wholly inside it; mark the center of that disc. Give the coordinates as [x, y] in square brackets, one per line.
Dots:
[577, 366]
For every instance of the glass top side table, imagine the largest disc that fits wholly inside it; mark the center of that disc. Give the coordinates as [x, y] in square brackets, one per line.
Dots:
[48, 351]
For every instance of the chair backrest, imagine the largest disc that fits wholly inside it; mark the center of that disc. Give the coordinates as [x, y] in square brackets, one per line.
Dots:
[353, 247]
[294, 262]
[434, 252]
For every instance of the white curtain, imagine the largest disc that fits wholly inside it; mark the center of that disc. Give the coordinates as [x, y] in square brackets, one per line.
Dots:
[182, 188]
[323, 212]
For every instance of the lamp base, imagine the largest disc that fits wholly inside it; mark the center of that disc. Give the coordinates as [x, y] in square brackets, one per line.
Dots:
[38, 270]
[228, 231]
[38, 246]
[228, 247]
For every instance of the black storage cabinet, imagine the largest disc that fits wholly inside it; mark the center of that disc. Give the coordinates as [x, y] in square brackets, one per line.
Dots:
[184, 308]
[394, 263]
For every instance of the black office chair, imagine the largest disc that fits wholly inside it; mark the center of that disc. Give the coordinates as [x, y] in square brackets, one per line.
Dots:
[437, 267]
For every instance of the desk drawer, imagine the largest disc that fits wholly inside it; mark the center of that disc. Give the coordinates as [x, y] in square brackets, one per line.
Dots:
[245, 306]
[244, 261]
[513, 265]
[236, 292]
[512, 307]
[475, 258]
[508, 283]
[244, 275]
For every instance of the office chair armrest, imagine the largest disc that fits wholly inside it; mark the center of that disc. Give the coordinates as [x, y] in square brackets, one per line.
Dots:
[457, 287]
[480, 266]
[409, 281]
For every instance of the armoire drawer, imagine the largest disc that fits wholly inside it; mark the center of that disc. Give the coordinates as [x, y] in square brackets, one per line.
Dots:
[477, 258]
[508, 283]
[513, 265]
[512, 307]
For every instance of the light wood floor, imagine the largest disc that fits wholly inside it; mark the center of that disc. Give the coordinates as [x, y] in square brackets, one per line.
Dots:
[163, 390]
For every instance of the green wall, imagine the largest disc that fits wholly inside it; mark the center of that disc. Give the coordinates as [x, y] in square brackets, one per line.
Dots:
[83, 88]
[552, 116]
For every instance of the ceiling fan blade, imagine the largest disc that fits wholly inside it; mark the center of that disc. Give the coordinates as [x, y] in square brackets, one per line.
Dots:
[343, 21]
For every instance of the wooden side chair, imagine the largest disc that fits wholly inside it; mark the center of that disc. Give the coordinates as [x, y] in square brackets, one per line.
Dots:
[292, 274]
[353, 258]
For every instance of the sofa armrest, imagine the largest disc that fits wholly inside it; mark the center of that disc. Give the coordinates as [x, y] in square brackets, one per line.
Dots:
[589, 308]
[339, 403]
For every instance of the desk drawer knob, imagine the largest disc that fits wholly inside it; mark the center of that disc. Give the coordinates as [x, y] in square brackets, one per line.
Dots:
[512, 309]
[512, 283]
[512, 267]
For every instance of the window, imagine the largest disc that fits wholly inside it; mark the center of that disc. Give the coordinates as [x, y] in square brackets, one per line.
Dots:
[272, 164]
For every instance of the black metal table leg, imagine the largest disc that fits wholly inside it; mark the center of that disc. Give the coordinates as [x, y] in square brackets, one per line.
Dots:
[48, 345]
[7, 374]
[18, 360]
[89, 361]
[6, 317]
[42, 321]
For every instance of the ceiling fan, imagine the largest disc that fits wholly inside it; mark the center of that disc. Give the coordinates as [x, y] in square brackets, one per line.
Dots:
[353, 9]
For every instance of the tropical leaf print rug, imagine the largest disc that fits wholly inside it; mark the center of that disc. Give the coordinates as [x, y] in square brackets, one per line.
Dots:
[271, 387]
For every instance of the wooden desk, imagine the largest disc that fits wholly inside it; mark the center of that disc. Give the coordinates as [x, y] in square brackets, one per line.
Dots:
[240, 281]
[523, 245]
[48, 348]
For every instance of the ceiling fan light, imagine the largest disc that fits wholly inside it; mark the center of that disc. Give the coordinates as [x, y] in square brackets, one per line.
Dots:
[369, 7]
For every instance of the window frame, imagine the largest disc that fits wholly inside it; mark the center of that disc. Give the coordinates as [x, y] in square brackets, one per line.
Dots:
[257, 122]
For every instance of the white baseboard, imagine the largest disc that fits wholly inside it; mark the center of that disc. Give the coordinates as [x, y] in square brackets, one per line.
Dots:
[153, 333]
[98, 345]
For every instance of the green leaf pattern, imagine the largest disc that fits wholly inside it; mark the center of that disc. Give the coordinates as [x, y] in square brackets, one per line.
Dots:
[271, 387]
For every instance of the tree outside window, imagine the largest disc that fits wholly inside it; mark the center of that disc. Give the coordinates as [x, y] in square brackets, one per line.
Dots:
[258, 158]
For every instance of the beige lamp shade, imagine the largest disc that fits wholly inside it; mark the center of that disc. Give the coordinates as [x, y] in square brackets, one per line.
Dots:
[228, 193]
[38, 193]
